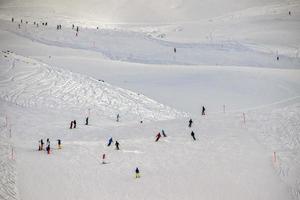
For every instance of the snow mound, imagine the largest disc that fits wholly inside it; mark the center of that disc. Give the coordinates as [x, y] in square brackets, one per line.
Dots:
[29, 83]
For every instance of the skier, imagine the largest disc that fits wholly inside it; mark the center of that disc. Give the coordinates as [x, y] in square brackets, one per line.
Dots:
[193, 135]
[103, 159]
[46, 23]
[174, 50]
[277, 57]
[203, 110]
[74, 123]
[290, 13]
[87, 121]
[137, 173]
[59, 144]
[110, 141]
[190, 123]
[42, 144]
[77, 29]
[71, 125]
[21, 21]
[48, 149]
[40, 147]
[163, 133]
[12, 19]
[117, 145]
[157, 137]
[118, 117]
[73, 26]
[19, 25]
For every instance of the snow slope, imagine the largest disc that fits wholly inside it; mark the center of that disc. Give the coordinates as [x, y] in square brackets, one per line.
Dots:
[61, 89]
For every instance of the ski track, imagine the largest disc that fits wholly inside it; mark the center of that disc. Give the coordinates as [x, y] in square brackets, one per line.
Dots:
[62, 89]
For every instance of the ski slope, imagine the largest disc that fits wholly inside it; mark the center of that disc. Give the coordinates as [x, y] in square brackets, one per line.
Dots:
[247, 144]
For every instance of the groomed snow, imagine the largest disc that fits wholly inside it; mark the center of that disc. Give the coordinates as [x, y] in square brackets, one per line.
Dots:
[247, 144]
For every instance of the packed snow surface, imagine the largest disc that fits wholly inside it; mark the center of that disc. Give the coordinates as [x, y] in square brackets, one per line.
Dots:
[155, 64]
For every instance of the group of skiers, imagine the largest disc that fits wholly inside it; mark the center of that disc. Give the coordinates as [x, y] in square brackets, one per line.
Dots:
[73, 124]
[48, 148]
[117, 144]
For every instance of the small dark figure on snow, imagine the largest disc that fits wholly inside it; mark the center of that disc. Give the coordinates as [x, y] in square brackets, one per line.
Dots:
[110, 141]
[21, 20]
[43, 23]
[290, 13]
[46, 23]
[163, 133]
[87, 121]
[71, 125]
[74, 122]
[19, 25]
[137, 173]
[59, 144]
[190, 123]
[97, 27]
[193, 135]
[48, 142]
[117, 145]
[48, 149]
[118, 117]
[12, 19]
[33, 23]
[158, 136]
[141, 122]
[277, 58]
[203, 110]
[174, 50]
[42, 144]
[103, 159]
[77, 29]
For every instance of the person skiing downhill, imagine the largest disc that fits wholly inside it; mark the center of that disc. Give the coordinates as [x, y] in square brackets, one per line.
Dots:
[137, 173]
[71, 125]
[193, 135]
[117, 145]
[42, 144]
[87, 121]
[74, 123]
[163, 133]
[118, 117]
[48, 142]
[110, 141]
[190, 123]
[203, 110]
[103, 159]
[158, 137]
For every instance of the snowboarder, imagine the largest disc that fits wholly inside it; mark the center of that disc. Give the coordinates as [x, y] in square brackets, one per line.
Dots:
[74, 122]
[71, 125]
[110, 141]
[48, 149]
[203, 110]
[158, 137]
[137, 173]
[193, 135]
[190, 123]
[117, 145]
[103, 159]
[163, 133]
[118, 117]
[59, 144]
[87, 121]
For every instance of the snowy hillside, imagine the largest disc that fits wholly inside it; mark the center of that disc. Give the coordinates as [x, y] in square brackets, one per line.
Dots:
[29, 83]
[155, 62]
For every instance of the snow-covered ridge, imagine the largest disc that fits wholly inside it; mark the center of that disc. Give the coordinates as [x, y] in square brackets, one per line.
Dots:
[29, 83]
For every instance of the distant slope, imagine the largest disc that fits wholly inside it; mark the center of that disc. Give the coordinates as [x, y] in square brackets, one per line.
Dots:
[29, 83]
